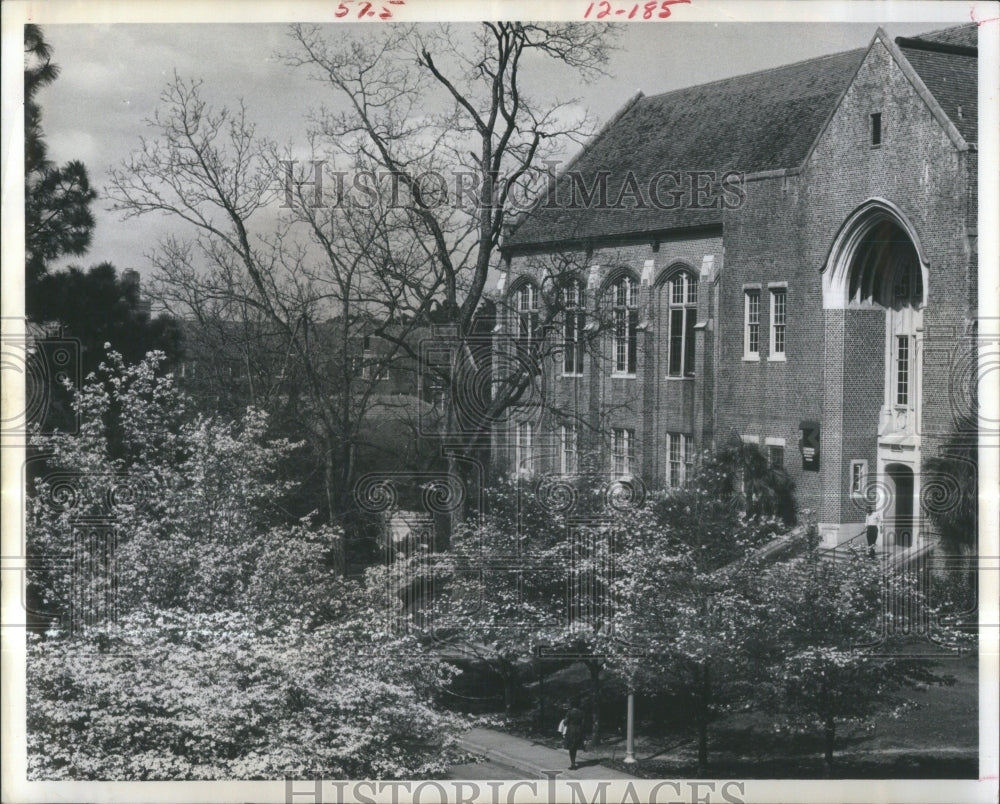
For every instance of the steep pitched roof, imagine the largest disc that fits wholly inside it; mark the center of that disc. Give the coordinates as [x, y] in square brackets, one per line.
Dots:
[947, 63]
[754, 122]
[962, 35]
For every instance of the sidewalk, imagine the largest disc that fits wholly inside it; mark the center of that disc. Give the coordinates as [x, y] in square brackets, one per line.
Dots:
[533, 759]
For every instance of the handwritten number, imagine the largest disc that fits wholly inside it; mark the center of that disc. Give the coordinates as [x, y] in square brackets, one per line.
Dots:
[665, 7]
[605, 9]
[587, 12]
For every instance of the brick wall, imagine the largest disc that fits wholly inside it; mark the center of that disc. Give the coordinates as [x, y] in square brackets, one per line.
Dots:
[783, 233]
[651, 404]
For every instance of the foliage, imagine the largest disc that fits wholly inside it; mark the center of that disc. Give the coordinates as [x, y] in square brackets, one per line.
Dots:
[834, 658]
[741, 473]
[97, 307]
[178, 696]
[497, 586]
[951, 486]
[682, 620]
[233, 646]
[57, 216]
[194, 501]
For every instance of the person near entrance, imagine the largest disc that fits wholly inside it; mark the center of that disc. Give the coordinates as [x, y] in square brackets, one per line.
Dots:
[873, 524]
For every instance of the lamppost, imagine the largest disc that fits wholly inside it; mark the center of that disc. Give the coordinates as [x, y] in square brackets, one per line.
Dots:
[630, 730]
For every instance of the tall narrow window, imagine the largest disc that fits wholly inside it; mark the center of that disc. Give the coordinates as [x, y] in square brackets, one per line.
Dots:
[575, 321]
[876, 129]
[779, 309]
[523, 455]
[622, 451]
[751, 324]
[626, 318]
[568, 461]
[680, 459]
[526, 314]
[902, 369]
[683, 314]
[859, 472]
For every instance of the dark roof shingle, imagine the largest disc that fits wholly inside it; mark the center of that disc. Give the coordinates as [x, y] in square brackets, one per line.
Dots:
[759, 121]
[750, 123]
[963, 35]
[947, 63]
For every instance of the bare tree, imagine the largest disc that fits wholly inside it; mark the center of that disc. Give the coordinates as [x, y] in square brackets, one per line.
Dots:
[441, 112]
[284, 296]
[292, 278]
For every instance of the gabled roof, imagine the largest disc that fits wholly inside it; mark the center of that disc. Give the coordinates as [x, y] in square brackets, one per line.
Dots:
[756, 122]
[759, 121]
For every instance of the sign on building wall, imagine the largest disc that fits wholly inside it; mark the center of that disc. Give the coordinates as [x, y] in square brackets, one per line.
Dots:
[809, 444]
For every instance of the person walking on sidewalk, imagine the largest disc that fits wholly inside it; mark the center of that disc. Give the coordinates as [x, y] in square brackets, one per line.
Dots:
[573, 738]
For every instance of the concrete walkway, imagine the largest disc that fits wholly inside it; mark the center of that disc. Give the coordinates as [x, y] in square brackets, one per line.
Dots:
[532, 759]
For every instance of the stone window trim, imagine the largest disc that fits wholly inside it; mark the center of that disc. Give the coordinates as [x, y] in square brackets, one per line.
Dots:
[778, 325]
[751, 322]
[680, 293]
[623, 452]
[858, 478]
[774, 449]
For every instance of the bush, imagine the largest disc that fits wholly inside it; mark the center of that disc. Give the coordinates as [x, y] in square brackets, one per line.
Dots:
[172, 696]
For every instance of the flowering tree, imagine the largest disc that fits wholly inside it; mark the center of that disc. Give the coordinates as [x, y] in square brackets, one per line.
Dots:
[682, 621]
[175, 696]
[497, 586]
[233, 647]
[835, 660]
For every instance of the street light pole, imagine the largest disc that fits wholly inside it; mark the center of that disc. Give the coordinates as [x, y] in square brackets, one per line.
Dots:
[630, 730]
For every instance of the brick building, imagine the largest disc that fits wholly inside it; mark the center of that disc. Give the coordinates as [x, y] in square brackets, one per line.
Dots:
[787, 256]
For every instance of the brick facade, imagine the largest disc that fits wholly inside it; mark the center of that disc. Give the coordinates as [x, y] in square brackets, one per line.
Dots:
[917, 181]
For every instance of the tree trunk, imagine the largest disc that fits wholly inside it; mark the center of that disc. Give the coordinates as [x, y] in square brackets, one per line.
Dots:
[508, 696]
[829, 735]
[595, 707]
[702, 745]
[704, 702]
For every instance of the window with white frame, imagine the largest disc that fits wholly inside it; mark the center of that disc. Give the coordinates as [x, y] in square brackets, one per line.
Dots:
[626, 320]
[859, 478]
[774, 450]
[568, 456]
[526, 314]
[573, 327]
[622, 451]
[523, 454]
[779, 313]
[683, 305]
[902, 369]
[751, 323]
[680, 459]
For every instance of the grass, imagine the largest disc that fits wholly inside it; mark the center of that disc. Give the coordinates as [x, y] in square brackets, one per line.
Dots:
[936, 738]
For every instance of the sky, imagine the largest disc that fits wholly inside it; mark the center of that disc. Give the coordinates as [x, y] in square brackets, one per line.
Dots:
[112, 75]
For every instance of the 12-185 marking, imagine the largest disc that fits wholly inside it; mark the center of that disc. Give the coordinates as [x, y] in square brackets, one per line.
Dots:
[659, 9]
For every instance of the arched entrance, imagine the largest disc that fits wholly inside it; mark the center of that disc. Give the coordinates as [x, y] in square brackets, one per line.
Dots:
[898, 522]
[874, 294]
